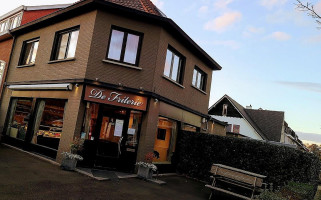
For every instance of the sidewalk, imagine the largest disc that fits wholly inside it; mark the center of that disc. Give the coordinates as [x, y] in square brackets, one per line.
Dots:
[25, 177]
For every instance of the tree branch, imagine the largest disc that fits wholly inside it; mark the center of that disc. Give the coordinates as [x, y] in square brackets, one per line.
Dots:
[309, 8]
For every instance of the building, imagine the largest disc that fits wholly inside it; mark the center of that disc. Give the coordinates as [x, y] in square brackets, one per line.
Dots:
[19, 16]
[116, 73]
[254, 123]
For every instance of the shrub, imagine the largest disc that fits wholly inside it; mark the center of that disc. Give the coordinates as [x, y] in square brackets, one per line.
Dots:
[196, 152]
[268, 195]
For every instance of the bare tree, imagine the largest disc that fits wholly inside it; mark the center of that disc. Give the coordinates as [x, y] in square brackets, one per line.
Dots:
[309, 8]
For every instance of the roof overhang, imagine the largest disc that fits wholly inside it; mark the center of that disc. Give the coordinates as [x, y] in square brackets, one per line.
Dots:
[60, 86]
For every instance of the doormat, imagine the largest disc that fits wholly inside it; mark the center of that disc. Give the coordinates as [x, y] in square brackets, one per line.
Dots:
[104, 174]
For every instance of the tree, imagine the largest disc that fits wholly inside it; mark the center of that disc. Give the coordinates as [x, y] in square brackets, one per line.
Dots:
[309, 8]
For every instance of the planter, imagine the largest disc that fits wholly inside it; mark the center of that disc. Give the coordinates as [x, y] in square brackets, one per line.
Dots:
[144, 172]
[69, 164]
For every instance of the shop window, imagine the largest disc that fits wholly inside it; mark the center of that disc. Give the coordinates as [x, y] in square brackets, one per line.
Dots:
[65, 44]
[187, 127]
[19, 116]
[49, 122]
[199, 79]
[165, 140]
[89, 124]
[174, 65]
[2, 66]
[29, 52]
[133, 128]
[124, 46]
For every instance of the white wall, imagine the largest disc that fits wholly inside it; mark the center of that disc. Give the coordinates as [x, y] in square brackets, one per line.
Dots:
[245, 128]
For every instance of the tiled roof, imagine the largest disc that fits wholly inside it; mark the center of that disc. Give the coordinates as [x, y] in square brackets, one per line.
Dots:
[141, 5]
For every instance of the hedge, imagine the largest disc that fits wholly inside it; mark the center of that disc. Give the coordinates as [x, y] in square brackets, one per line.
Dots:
[196, 152]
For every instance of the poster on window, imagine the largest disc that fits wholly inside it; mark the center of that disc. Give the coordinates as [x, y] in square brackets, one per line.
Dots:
[119, 128]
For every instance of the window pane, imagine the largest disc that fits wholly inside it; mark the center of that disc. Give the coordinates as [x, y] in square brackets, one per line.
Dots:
[168, 62]
[34, 52]
[49, 123]
[72, 44]
[115, 46]
[131, 49]
[199, 79]
[2, 65]
[194, 77]
[27, 53]
[175, 69]
[90, 120]
[63, 46]
[133, 126]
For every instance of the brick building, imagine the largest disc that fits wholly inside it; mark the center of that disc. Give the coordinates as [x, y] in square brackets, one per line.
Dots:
[13, 19]
[119, 74]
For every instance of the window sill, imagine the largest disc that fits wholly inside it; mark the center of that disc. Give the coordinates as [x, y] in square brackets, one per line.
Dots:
[121, 64]
[179, 85]
[62, 60]
[22, 66]
[199, 89]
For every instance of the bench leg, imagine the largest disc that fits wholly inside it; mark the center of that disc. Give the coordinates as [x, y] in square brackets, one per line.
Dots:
[212, 192]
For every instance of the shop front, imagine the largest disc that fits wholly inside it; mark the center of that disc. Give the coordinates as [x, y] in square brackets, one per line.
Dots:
[111, 128]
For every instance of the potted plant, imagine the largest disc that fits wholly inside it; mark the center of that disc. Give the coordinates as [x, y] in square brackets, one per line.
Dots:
[146, 169]
[69, 160]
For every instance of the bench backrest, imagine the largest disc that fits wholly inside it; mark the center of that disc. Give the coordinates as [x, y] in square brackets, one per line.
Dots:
[237, 175]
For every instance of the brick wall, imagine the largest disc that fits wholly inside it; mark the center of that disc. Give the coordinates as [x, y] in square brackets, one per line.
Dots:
[31, 15]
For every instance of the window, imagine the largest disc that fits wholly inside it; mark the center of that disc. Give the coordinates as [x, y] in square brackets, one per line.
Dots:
[3, 26]
[199, 79]
[29, 52]
[229, 128]
[236, 128]
[187, 127]
[124, 46]
[65, 44]
[174, 65]
[224, 112]
[2, 65]
[15, 21]
[10, 23]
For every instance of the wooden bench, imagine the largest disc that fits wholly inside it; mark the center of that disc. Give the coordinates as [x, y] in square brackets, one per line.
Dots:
[237, 177]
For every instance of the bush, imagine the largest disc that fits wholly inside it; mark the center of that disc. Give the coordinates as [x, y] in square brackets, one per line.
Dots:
[268, 195]
[196, 152]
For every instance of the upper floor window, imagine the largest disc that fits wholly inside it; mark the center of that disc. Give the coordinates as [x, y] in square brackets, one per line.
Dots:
[10, 23]
[65, 44]
[224, 112]
[174, 65]
[29, 52]
[199, 79]
[124, 46]
[2, 65]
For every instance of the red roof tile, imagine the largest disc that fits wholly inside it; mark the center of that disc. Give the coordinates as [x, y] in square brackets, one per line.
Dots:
[141, 5]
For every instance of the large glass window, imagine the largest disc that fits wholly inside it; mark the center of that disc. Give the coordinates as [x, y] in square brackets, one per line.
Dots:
[89, 124]
[133, 128]
[174, 66]
[199, 79]
[29, 52]
[124, 46]
[2, 66]
[66, 43]
[19, 116]
[165, 140]
[49, 122]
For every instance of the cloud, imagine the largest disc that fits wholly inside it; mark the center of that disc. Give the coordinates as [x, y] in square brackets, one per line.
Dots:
[317, 7]
[269, 4]
[223, 22]
[281, 36]
[222, 4]
[227, 43]
[158, 3]
[251, 30]
[203, 10]
[308, 86]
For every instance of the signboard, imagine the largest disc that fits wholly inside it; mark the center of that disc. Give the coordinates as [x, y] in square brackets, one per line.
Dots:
[114, 97]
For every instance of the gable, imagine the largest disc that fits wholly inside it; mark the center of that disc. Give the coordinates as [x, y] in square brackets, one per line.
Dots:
[218, 109]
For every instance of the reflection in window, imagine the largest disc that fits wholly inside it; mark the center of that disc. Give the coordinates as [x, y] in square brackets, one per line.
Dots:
[66, 44]
[2, 65]
[89, 124]
[199, 79]
[19, 117]
[49, 122]
[165, 140]
[173, 66]
[123, 47]
[133, 128]
[29, 52]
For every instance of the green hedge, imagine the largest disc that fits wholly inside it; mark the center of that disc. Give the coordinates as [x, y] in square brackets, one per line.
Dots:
[196, 152]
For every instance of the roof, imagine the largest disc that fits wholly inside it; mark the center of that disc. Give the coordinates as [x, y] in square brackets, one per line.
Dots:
[144, 10]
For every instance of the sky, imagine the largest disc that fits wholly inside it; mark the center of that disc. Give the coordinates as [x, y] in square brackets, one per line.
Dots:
[269, 52]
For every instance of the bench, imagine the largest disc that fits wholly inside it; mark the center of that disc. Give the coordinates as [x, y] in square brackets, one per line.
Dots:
[237, 178]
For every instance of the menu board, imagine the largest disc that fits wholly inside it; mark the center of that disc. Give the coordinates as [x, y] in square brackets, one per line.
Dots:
[118, 128]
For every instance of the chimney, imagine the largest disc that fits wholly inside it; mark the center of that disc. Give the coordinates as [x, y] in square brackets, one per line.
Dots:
[249, 107]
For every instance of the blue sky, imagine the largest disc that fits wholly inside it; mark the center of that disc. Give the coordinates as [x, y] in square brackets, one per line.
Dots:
[269, 51]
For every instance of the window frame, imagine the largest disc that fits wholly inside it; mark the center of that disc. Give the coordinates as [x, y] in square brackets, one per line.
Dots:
[123, 48]
[57, 42]
[23, 51]
[203, 81]
[181, 67]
